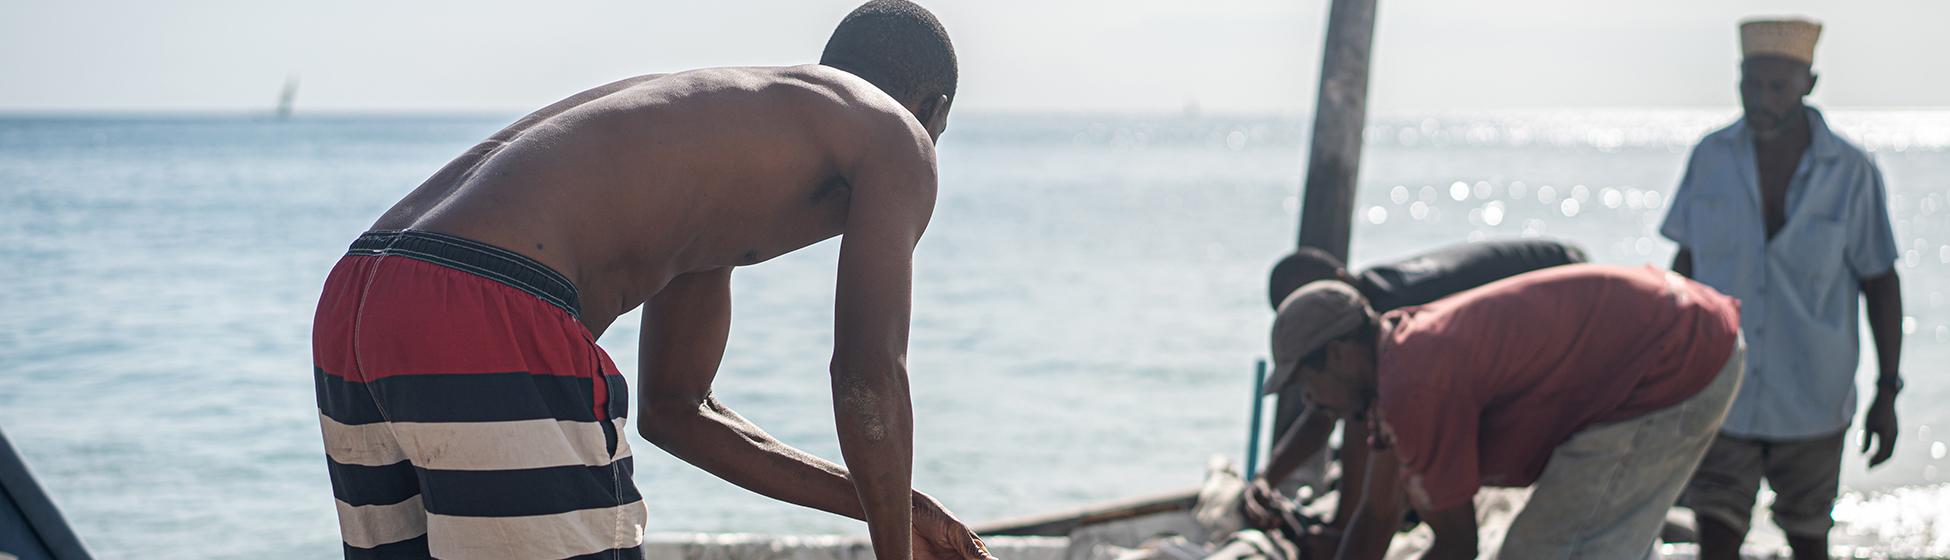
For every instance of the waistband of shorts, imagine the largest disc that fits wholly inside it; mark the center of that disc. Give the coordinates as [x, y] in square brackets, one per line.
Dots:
[473, 257]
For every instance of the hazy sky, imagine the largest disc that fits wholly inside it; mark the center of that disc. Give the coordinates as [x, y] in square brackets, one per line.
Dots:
[1119, 55]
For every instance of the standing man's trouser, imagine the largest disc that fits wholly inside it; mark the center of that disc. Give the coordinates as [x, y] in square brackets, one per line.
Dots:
[1605, 492]
[1804, 474]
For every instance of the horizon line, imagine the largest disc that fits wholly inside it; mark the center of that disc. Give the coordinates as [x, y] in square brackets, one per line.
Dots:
[272, 113]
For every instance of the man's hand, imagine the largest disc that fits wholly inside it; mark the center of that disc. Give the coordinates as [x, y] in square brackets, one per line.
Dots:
[1880, 428]
[938, 535]
[1262, 506]
[1322, 543]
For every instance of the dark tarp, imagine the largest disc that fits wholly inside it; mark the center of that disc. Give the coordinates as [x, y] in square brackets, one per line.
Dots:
[30, 527]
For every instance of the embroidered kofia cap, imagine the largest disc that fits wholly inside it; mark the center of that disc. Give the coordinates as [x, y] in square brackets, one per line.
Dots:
[1790, 38]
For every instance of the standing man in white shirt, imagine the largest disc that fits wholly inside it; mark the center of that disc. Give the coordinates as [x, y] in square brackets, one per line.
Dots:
[1780, 212]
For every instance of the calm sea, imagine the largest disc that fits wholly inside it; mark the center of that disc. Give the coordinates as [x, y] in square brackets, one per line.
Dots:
[1089, 299]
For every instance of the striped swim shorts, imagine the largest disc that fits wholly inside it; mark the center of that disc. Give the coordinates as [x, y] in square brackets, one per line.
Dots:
[467, 413]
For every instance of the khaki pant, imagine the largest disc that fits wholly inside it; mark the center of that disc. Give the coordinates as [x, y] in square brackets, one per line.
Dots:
[1605, 492]
[1804, 475]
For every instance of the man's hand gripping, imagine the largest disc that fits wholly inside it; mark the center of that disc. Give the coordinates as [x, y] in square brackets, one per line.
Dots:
[938, 535]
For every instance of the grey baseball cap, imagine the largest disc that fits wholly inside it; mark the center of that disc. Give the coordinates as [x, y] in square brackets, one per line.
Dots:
[1309, 317]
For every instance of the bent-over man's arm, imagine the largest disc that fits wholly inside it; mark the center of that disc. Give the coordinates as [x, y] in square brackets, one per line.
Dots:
[1371, 526]
[683, 339]
[893, 188]
[1455, 533]
[1307, 437]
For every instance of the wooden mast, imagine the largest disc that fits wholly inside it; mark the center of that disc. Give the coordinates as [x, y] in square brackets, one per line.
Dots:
[1326, 222]
[1340, 116]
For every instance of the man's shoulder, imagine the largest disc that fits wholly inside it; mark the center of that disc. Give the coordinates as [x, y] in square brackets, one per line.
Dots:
[837, 110]
[849, 107]
[1716, 162]
[1836, 148]
[1419, 337]
[841, 91]
[809, 89]
[1721, 140]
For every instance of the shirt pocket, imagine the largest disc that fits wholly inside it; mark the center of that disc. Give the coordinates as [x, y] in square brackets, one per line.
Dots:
[1714, 232]
[1810, 253]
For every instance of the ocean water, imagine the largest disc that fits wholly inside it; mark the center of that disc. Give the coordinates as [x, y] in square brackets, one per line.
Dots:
[1089, 301]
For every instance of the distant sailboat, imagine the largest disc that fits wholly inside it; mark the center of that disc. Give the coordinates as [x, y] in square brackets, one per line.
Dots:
[285, 99]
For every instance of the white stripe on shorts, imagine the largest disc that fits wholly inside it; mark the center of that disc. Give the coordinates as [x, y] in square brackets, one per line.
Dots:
[369, 445]
[370, 526]
[474, 446]
[559, 535]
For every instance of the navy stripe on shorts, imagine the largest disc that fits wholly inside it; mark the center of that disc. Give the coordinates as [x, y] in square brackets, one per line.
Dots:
[466, 411]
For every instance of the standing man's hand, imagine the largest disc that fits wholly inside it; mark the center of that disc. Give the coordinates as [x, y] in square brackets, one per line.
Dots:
[938, 535]
[1879, 427]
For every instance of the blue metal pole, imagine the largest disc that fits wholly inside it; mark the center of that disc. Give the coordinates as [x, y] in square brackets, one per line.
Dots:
[1252, 437]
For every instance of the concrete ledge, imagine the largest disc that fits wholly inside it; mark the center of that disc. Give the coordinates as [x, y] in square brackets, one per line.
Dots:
[749, 546]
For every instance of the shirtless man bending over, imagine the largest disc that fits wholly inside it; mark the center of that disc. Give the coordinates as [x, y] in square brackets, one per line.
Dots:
[466, 408]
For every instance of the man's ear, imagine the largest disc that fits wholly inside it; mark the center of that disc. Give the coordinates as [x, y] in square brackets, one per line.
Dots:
[1340, 353]
[1812, 77]
[934, 115]
[1349, 356]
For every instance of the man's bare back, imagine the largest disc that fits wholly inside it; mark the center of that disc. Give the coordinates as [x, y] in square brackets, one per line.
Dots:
[627, 186]
[649, 192]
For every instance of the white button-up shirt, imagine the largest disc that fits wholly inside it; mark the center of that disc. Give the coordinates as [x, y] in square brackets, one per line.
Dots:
[1798, 291]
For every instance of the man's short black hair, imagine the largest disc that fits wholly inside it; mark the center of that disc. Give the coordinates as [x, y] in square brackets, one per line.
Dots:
[897, 46]
[1306, 264]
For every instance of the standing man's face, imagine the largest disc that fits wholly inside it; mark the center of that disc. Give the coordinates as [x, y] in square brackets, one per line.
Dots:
[1771, 89]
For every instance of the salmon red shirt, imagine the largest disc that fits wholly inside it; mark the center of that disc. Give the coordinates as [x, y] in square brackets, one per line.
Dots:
[1478, 388]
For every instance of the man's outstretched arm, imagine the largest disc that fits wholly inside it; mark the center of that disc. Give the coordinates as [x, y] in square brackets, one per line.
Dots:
[1306, 438]
[683, 339]
[891, 174]
[1370, 527]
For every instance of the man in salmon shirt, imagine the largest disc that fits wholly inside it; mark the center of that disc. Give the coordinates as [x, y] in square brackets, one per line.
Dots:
[1601, 385]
